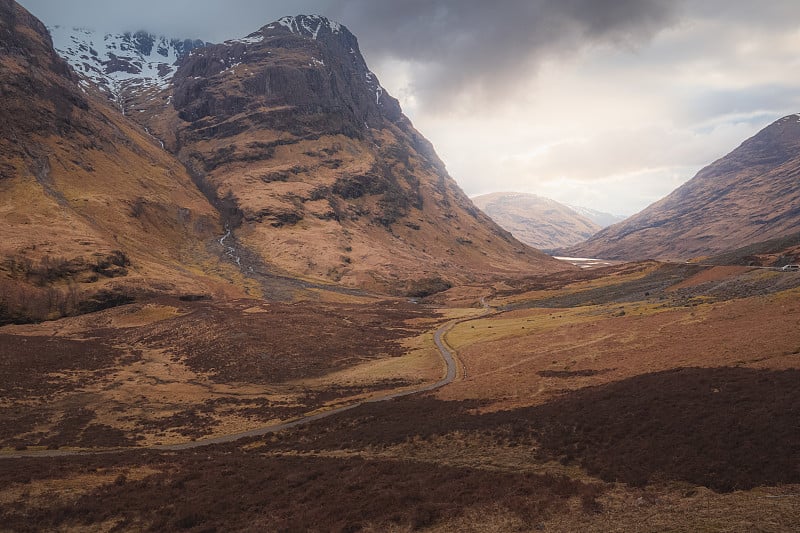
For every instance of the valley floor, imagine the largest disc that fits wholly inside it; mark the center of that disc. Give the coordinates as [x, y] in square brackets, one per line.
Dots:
[636, 397]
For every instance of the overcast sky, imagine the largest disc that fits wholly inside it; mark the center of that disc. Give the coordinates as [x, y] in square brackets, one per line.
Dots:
[609, 104]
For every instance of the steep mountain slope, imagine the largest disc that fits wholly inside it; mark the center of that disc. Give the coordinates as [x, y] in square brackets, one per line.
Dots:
[750, 195]
[89, 203]
[539, 222]
[318, 170]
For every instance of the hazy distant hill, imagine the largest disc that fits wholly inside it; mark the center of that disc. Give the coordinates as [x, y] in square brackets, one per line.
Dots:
[598, 217]
[540, 222]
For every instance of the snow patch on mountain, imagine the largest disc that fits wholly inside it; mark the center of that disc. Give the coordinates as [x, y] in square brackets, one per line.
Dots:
[253, 38]
[374, 85]
[307, 25]
[119, 63]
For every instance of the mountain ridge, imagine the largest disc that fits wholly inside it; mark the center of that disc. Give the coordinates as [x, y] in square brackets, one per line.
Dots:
[119, 64]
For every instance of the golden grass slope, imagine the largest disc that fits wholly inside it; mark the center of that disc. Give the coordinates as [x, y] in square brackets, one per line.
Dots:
[81, 182]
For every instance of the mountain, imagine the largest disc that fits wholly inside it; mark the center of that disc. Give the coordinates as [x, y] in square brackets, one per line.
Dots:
[271, 164]
[539, 222]
[121, 64]
[749, 196]
[316, 169]
[92, 209]
[598, 217]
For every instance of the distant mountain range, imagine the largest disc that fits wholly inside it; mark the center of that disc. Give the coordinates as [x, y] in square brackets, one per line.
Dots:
[541, 222]
[598, 217]
[749, 196]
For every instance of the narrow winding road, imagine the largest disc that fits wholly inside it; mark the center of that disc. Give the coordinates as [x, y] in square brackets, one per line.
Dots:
[450, 375]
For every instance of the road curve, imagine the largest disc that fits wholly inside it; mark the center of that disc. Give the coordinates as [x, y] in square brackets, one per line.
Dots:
[450, 375]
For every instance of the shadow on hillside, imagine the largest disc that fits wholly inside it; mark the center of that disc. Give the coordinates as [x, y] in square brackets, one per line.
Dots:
[724, 428]
[230, 490]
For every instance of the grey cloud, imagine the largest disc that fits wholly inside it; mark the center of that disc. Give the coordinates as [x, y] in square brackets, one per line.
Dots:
[472, 49]
[459, 46]
[210, 20]
[477, 46]
[776, 14]
[756, 102]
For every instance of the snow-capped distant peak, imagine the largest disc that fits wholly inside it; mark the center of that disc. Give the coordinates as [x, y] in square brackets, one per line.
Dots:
[307, 25]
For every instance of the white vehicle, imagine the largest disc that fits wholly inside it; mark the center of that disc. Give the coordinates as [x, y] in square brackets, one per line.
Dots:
[790, 268]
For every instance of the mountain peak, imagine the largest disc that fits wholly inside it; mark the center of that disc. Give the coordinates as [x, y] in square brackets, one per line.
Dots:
[307, 25]
[325, 60]
[784, 131]
[290, 131]
[313, 27]
[308, 160]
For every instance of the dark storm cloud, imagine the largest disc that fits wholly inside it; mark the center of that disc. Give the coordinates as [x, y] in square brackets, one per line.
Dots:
[458, 45]
[475, 45]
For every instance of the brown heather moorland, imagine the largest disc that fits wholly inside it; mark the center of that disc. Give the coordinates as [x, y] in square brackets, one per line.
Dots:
[676, 410]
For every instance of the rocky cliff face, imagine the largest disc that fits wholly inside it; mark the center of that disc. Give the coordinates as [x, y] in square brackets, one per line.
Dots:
[317, 169]
[31, 68]
[539, 222]
[750, 195]
[309, 63]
